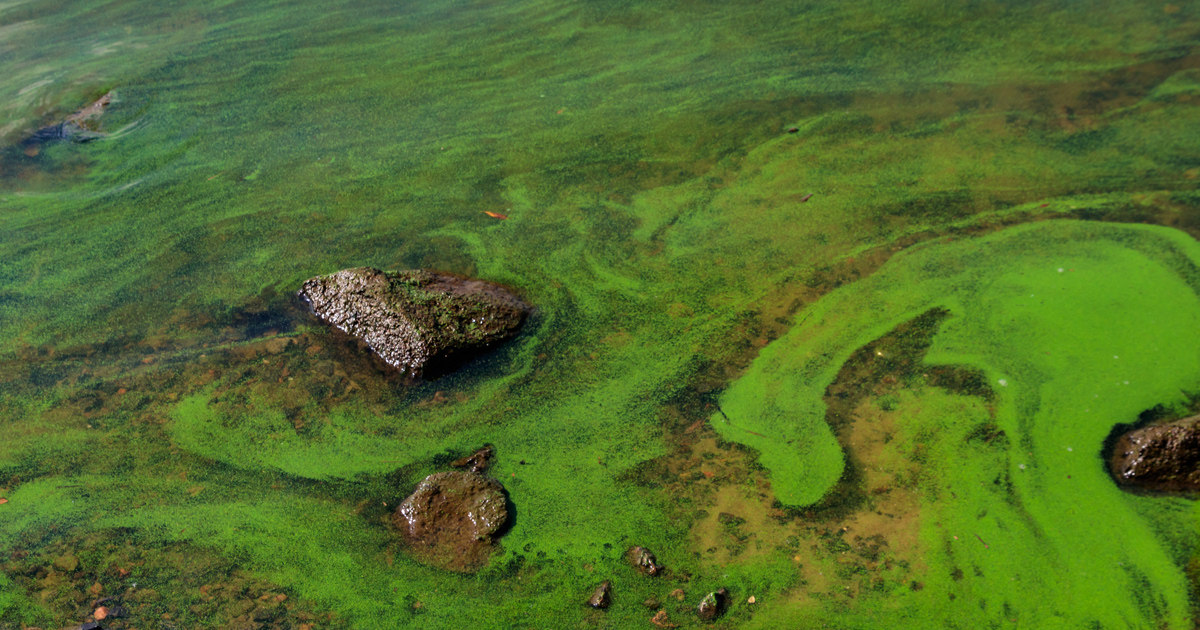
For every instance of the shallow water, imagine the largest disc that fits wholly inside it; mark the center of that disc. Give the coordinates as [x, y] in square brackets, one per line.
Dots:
[883, 405]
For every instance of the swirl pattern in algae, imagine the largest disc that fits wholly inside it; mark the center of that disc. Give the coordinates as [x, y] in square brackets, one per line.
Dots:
[158, 389]
[1078, 327]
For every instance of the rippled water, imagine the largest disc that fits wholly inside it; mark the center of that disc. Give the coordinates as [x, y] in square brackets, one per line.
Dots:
[837, 306]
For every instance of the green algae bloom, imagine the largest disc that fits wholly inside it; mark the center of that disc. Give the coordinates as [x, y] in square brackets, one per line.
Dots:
[700, 376]
[1078, 328]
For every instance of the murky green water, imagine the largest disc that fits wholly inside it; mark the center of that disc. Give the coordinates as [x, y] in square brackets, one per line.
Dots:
[884, 405]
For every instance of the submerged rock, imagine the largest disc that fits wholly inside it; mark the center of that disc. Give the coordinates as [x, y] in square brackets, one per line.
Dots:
[661, 620]
[642, 559]
[713, 604]
[416, 321]
[451, 519]
[1161, 457]
[78, 127]
[477, 462]
[602, 597]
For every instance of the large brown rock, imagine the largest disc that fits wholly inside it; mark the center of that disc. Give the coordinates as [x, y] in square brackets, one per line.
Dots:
[1160, 457]
[418, 321]
[451, 519]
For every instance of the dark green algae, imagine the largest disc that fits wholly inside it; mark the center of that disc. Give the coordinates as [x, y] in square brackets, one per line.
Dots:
[654, 209]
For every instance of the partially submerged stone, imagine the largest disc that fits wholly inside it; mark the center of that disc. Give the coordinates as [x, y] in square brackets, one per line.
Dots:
[477, 462]
[643, 560]
[661, 620]
[713, 604]
[451, 519]
[417, 321]
[82, 126]
[602, 596]
[1163, 457]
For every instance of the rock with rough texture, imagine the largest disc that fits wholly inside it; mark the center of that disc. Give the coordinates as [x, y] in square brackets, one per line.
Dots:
[643, 560]
[451, 519]
[1163, 457]
[602, 596]
[477, 462]
[417, 321]
[713, 604]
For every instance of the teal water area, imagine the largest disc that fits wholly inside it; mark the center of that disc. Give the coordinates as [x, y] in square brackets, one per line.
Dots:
[171, 418]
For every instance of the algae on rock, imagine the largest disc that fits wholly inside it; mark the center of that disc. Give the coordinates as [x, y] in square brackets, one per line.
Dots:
[418, 321]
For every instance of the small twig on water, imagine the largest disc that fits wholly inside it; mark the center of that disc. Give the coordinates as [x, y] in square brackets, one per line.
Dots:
[730, 423]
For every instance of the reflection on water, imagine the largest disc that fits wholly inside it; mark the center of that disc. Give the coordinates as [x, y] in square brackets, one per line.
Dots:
[738, 361]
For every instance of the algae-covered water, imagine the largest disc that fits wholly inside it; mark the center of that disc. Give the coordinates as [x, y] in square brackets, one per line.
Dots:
[838, 305]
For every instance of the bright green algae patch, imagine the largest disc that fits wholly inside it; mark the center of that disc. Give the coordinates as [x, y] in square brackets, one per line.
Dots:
[1079, 327]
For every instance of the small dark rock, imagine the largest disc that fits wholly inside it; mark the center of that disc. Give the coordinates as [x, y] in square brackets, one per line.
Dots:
[793, 129]
[602, 597]
[417, 321]
[644, 560]
[479, 461]
[1164, 457]
[450, 519]
[91, 625]
[713, 604]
